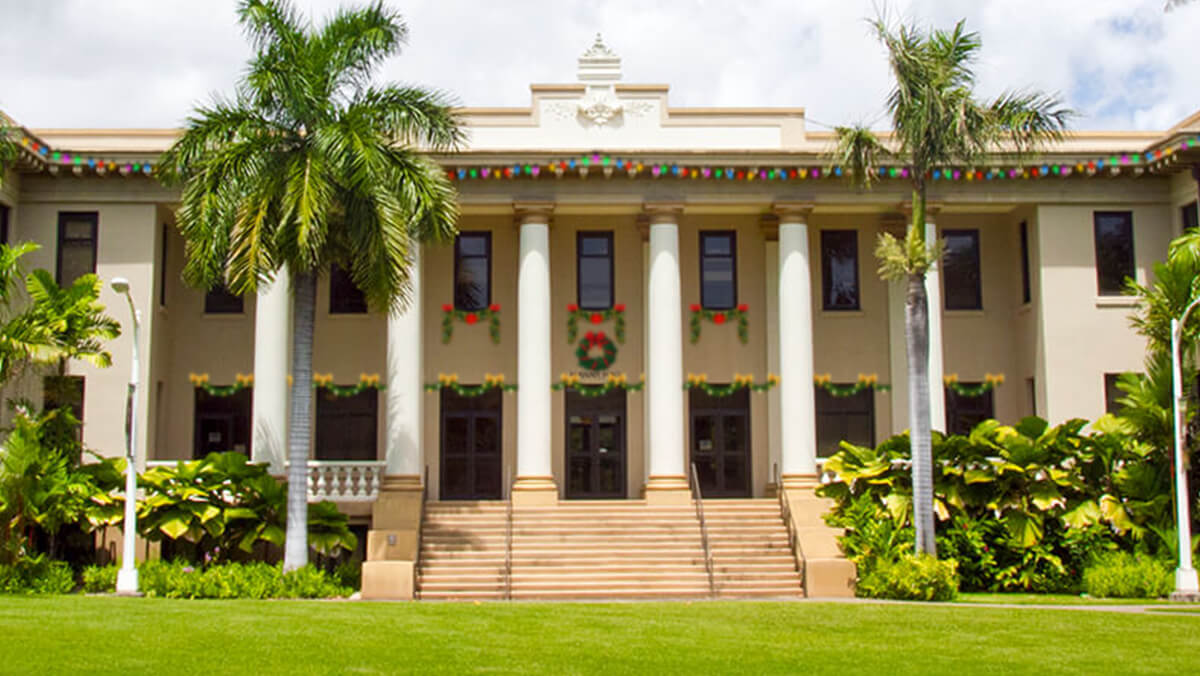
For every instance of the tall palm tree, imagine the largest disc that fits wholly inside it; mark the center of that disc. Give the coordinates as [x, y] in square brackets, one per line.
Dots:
[309, 164]
[936, 122]
[8, 146]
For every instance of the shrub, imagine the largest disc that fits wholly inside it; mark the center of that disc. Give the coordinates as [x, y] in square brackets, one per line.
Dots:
[912, 578]
[100, 579]
[349, 574]
[180, 580]
[1129, 576]
[36, 575]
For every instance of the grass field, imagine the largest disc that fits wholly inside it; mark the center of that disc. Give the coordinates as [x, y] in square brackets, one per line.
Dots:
[74, 634]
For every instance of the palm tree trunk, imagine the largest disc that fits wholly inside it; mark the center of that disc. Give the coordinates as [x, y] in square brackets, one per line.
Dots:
[304, 291]
[916, 331]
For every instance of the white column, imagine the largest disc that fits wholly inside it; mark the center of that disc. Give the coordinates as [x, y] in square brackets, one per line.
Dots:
[933, 291]
[774, 418]
[403, 394]
[664, 361]
[796, 396]
[272, 328]
[535, 479]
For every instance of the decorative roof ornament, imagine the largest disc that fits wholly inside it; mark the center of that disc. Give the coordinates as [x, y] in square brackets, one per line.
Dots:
[599, 63]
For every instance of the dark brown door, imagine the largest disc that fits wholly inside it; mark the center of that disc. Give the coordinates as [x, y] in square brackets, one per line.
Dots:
[595, 445]
[222, 423]
[471, 443]
[721, 443]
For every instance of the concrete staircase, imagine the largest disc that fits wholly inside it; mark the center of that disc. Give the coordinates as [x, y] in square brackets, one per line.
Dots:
[605, 550]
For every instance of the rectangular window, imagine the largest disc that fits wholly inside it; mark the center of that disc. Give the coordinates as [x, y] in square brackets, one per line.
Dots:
[76, 245]
[472, 270]
[963, 413]
[960, 270]
[219, 301]
[841, 419]
[1191, 219]
[162, 267]
[1112, 393]
[839, 269]
[222, 424]
[344, 296]
[347, 426]
[4, 214]
[718, 270]
[594, 265]
[1026, 282]
[1114, 250]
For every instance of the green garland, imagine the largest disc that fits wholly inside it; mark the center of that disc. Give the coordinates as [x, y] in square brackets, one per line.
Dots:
[719, 317]
[740, 382]
[576, 315]
[613, 382]
[223, 390]
[864, 383]
[600, 363]
[990, 382]
[490, 382]
[321, 382]
[343, 391]
[490, 314]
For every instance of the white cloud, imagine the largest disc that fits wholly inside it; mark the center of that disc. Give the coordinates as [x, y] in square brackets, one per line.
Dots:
[1123, 64]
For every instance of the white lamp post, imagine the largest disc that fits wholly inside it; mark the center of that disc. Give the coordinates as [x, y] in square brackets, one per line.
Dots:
[1187, 588]
[127, 577]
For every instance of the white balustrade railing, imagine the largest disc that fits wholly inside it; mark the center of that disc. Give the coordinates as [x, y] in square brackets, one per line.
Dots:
[345, 480]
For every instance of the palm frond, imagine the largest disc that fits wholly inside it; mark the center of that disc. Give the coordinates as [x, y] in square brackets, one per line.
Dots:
[858, 151]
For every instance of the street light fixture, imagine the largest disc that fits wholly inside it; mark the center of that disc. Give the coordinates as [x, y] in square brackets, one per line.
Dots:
[1187, 587]
[127, 577]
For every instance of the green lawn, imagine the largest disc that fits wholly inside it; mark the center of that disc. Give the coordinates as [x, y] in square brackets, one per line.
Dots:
[75, 634]
[1063, 600]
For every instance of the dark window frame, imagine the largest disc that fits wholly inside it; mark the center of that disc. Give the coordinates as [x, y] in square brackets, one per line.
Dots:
[954, 401]
[1026, 278]
[220, 301]
[64, 217]
[343, 299]
[579, 256]
[976, 303]
[237, 410]
[822, 395]
[827, 275]
[489, 405]
[732, 256]
[458, 256]
[1131, 263]
[336, 423]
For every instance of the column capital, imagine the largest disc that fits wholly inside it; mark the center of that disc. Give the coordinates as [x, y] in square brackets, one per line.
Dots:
[532, 212]
[663, 212]
[932, 209]
[792, 212]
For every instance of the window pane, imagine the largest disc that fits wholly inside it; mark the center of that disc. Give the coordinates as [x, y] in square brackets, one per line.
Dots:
[471, 287]
[718, 245]
[75, 260]
[839, 262]
[1114, 250]
[344, 295]
[960, 267]
[964, 413]
[840, 419]
[472, 245]
[595, 283]
[1191, 219]
[717, 289]
[222, 423]
[593, 245]
[220, 301]
[347, 426]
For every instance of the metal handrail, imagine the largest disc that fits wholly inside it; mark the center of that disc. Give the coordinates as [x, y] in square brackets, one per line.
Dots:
[420, 532]
[508, 536]
[698, 501]
[785, 510]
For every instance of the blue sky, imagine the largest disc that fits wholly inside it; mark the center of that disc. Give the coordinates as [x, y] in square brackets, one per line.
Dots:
[1122, 64]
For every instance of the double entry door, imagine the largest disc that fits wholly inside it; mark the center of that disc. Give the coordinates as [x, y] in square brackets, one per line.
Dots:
[471, 464]
[721, 443]
[595, 445]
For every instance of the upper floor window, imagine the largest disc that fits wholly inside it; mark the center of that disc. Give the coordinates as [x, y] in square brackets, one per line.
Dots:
[344, 296]
[1114, 250]
[594, 262]
[76, 245]
[1191, 219]
[960, 270]
[718, 270]
[839, 269]
[220, 301]
[473, 270]
[1026, 281]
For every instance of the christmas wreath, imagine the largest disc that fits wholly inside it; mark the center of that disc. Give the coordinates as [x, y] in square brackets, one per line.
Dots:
[583, 352]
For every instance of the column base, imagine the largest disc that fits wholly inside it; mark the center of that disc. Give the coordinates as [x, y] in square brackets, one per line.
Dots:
[398, 506]
[534, 491]
[801, 481]
[668, 490]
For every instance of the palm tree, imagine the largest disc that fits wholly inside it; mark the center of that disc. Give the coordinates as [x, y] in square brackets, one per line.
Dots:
[937, 122]
[8, 146]
[309, 164]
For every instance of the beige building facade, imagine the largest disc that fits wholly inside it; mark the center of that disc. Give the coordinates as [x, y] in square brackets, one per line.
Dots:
[638, 292]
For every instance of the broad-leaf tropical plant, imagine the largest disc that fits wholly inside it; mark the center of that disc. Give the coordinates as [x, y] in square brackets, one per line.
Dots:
[937, 122]
[309, 164]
